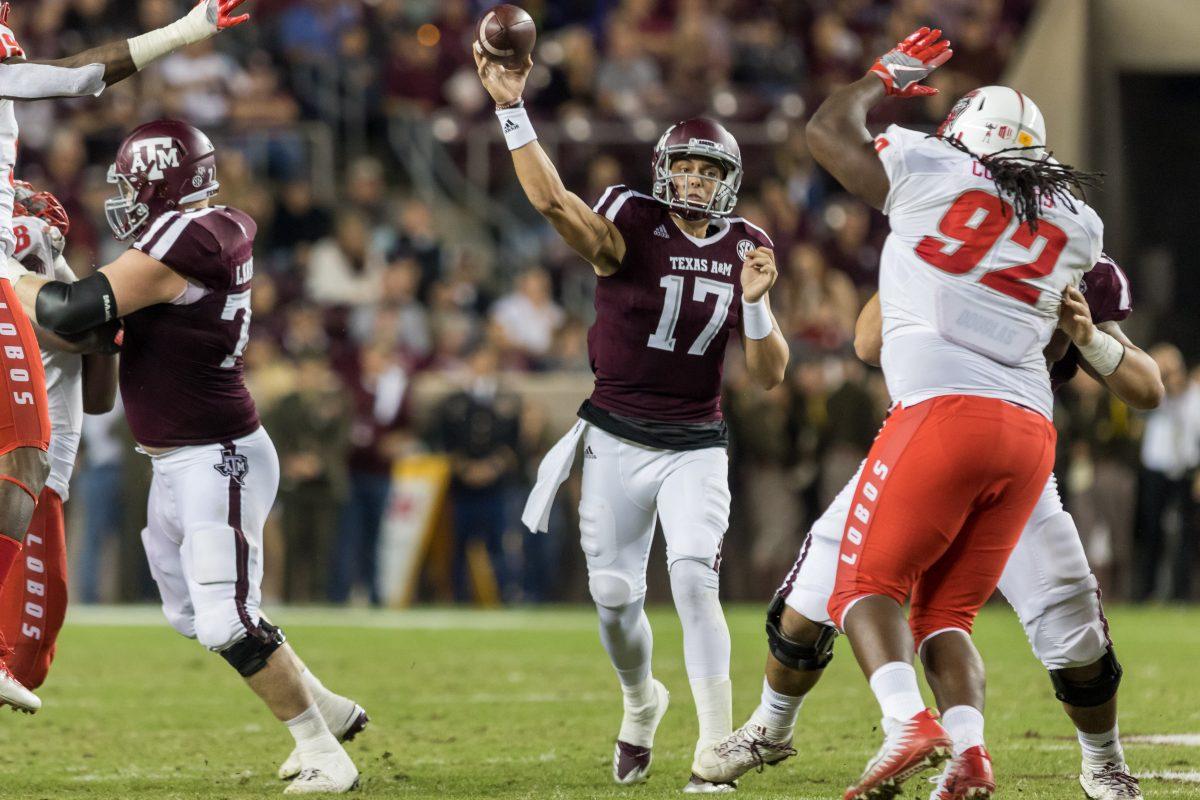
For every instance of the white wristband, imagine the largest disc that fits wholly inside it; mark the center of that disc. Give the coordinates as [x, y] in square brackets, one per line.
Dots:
[516, 127]
[194, 27]
[756, 319]
[1104, 353]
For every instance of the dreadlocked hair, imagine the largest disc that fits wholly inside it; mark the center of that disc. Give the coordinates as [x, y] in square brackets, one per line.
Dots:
[1027, 179]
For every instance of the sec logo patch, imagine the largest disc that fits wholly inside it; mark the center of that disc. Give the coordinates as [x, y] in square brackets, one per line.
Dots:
[745, 248]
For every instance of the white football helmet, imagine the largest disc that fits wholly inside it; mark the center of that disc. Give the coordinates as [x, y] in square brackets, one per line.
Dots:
[994, 118]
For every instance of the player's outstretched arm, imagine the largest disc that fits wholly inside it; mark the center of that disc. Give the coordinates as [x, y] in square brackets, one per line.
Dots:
[767, 351]
[837, 133]
[131, 283]
[1108, 355]
[590, 234]
[90, 71]
[99, 383]
[868, 332]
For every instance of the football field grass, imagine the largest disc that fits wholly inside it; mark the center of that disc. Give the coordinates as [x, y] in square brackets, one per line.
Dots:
[523, 704]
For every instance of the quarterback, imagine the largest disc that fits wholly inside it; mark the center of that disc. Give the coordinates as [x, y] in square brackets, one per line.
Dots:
[24, 416]
[678, 275]
[987, 241]
[183, 293]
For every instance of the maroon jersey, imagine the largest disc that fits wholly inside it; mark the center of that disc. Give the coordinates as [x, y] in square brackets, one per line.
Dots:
[181, 362]
[663, 319]
[1106, 290]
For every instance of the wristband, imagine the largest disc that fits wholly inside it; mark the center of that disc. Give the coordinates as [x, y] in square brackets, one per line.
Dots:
[1104, 353]
[516, 127]
[152, 46]
[756, 319]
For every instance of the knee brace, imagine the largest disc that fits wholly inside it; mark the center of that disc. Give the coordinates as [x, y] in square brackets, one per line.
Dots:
[249, 654]
[802, 657]
[1095, 692]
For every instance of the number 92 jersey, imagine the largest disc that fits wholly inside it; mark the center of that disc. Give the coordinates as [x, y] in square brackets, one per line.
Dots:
[181, 362]
[657, 347]
[970, 295]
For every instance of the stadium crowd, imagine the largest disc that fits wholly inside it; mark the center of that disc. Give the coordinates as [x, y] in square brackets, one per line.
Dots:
[366, 283]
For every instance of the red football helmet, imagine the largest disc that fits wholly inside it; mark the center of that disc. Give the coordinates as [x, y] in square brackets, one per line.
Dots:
[698, 138]
[160, 166]
[29, 202]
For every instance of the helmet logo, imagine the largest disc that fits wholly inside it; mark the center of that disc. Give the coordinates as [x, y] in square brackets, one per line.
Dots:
[152, 156]
[744, 248]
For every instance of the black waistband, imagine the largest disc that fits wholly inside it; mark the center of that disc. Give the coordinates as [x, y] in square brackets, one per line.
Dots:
[660, 435]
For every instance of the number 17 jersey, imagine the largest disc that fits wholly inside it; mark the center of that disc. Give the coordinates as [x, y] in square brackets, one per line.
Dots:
[181, 362]
[970, 295]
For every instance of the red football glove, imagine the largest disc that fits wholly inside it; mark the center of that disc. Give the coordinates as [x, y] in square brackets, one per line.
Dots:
[9, 48]
[219, 11]
[903, 68]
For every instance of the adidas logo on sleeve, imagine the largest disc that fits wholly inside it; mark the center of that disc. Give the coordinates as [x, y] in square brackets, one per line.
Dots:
[661, 232]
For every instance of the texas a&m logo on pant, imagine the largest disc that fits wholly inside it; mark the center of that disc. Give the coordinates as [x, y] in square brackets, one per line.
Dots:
[233, 466]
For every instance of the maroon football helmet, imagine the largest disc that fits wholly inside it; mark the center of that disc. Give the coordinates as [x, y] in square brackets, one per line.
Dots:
[29, 202]
[160, 166]
[698, 138]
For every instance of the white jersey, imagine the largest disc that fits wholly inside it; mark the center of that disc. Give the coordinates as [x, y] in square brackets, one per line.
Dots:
[64, 371]
[8, 160]
[970, 297]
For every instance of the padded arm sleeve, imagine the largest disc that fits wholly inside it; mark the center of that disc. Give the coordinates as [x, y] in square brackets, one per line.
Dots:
[71, 308]
[26, 81]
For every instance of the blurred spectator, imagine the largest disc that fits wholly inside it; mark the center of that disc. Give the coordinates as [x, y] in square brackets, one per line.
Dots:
[1168, 483]
[310, 427]
[299, 221]
[398, 318]
[198, 84]
[628, 83]
[528, 317]
[100, 481]
[379, 392]
[345, 269]
[478, 428]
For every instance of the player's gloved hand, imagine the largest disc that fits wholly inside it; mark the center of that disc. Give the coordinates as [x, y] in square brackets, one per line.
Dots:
[504, 85]
[907, 64]
[9, 48]
[210, 17]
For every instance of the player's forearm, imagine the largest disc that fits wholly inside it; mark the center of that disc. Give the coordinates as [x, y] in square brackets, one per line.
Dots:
[99, 383]
[114, 57]
[868, 332]
[1137, 380]
[540, 180]
[838, 135]
[766, 356]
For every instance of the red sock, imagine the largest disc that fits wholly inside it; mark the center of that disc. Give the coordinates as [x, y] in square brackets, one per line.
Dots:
[10, 551]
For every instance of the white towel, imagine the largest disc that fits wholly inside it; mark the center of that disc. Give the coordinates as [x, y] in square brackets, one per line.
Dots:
[553, 470]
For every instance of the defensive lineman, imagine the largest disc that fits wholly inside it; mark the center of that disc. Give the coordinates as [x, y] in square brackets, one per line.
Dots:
[183, 293]
[677, 275]
[24, 416]
[986, 239]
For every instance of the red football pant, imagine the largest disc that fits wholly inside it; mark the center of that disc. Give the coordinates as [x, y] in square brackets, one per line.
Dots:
[946, 490]
[24, 409]
[33, 601]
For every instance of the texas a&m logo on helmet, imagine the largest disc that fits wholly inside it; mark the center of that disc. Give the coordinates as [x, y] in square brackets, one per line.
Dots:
[161, 166]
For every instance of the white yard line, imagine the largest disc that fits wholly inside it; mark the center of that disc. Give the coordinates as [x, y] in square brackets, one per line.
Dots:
[1184, 739]
[1181, 777]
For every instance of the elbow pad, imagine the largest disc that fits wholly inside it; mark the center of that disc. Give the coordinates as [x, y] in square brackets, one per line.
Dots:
[71, 308]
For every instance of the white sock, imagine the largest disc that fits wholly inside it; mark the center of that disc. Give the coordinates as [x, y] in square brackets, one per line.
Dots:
[310, 731]
[334, 708]
[1101, 748]
[895, 687]
[777, 713]
[638, 695]
[965, 725]
[714, 708]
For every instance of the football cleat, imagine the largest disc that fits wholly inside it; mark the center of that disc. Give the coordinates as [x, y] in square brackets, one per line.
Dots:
[12, 692]
[325, 773]
[697, 785]
[1109, 782]
[343, 730]
[631, 762]
[968, 776]
[745, 749]
[908, 748]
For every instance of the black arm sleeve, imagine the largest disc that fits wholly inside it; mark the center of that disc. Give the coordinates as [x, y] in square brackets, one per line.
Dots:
[71, 308]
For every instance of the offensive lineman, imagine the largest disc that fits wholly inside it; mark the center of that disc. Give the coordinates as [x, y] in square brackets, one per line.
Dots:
[677, 274]
[80, 378]
[24, 416]
[183, 293]
[1046, 580]
[986, 240]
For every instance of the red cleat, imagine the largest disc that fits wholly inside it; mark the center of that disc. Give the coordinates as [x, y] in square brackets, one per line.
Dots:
[910, 747]
[968, 776]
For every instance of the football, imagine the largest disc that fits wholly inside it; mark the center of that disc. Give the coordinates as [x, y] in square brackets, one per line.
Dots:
[506, 34]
